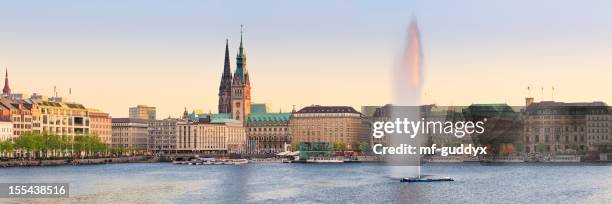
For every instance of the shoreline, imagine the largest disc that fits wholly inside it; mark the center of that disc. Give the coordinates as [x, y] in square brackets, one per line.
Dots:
[66, 162]
[151, 159]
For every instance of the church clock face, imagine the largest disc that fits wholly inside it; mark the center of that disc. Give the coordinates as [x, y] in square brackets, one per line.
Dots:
[237, 104]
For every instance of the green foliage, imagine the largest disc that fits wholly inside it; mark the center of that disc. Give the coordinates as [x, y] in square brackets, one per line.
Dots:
[541, 147]
[340, 146]
[47, 145]
[574, 146]
[364, 147]
[519, 147]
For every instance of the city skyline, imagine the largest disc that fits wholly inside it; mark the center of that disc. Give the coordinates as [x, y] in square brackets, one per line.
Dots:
[173, 60]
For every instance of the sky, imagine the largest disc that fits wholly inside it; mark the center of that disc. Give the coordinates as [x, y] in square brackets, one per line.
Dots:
[169, 54]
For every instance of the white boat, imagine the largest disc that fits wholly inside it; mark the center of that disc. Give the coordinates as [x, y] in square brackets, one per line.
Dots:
[323, 160]
[563, 158]
[447, 159]
[240, 161]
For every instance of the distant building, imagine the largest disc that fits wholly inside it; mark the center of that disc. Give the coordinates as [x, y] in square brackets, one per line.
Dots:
[143, 112]
[60, 118]
[446, 114]
[162, 135]
[557, 127]
[225, 87]
[210, 136]
[259, 108]
[100, 125]
[267, 132]
[19, 113]
[599, 129]
[329, 124]
[130, 133]
[6, 129]
[241, 88]
[368, 111]
[502, 127]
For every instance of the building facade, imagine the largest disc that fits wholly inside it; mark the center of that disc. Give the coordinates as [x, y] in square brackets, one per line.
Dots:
[211, 136]
[267, 132]
[19, 113]
[59, 118]
[143, 112]
[130, 133]
[100, 125]
[556, 127]
[329, 124]
[162, 135]
[6, 129]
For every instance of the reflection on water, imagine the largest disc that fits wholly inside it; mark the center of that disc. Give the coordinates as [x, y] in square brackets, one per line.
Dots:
[328, 183]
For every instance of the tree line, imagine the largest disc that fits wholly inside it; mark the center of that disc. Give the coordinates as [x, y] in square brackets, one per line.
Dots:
[42, 146]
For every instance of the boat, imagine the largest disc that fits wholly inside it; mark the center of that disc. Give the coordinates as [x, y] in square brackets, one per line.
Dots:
[447, 159]
[563, 159]
[414, 180]
[240, 161]
[323, 160]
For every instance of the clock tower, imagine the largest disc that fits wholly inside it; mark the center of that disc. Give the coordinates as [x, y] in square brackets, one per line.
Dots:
[241, 88]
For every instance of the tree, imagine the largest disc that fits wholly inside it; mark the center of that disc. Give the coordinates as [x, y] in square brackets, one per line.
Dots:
[339, 146]
[6, 148]
[541, 147]
[364, 147]
[520, 147]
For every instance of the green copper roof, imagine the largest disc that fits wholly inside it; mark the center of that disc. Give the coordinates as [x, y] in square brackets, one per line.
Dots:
[502, 107]
[269, 119]
[259, 108]
[194, 116]
[223, 121]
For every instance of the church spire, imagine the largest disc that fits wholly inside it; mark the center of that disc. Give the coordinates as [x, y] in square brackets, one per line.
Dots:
[6, 90]
[241, 49]
[241, 70]
[226, 66]
[225, 87]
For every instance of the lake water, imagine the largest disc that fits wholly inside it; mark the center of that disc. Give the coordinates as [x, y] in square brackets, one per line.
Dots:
[319, 183]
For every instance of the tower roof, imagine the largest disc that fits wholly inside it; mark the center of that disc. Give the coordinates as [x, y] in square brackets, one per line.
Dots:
[241, 70]
[6, 90]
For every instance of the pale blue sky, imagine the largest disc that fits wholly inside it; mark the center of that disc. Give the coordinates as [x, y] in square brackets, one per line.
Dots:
[169, 54]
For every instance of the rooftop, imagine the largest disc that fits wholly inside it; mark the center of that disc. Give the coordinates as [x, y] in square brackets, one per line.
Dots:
[328, 109]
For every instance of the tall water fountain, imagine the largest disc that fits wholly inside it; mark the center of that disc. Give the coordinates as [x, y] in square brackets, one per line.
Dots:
[407, 82]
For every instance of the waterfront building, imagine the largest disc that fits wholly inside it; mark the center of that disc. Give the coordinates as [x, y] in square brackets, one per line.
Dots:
[162, 135]
[368, 111]
[503, 127]
[143, 112]
[211, 136]
[100, 125]
[599, 129]
[19, 113]
[6, 129]
[330, 124]
[241, 88]
[225, 87]
[130, 133]
[267, 132]
[60, 118]
[445, 114]
[557, 127]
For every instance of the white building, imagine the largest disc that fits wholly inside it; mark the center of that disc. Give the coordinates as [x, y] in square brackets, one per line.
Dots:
[211, 136]
[6, 130]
